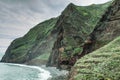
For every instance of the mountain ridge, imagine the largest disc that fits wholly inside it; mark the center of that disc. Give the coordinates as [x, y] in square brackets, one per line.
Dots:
[71, 28]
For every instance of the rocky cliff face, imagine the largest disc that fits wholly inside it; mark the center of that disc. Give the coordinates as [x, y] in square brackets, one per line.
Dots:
[101, 64]
[73, 26]
[59, 39]
[107, 29]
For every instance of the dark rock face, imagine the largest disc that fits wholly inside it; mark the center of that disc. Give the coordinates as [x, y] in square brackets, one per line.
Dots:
[107, 29]
[59, 39]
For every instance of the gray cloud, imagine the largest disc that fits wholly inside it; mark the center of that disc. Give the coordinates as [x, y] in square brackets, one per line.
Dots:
[4, 44]
[6, 36]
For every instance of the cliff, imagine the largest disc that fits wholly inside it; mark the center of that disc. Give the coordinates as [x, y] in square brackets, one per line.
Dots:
[57, 41]
[107, 29]
[103, 62]
[73, 26]
[27, 47]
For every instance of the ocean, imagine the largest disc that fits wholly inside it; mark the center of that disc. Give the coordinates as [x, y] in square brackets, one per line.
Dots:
[10, 71]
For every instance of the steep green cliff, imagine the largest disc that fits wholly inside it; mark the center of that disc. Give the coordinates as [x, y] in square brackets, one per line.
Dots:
[107, 29]
[59, 39]
[18, 51]
[74, 25]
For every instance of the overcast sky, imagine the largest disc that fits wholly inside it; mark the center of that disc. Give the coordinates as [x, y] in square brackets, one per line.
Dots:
[18, 16]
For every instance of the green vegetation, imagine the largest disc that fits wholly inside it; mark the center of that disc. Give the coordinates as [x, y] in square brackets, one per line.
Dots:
[78, 23]
[77, 50]
[21, 46]
[43, 56]
[93, 14]
[102, 64]
[74, 24]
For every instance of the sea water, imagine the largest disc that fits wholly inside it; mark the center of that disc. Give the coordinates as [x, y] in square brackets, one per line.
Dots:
[10, 71]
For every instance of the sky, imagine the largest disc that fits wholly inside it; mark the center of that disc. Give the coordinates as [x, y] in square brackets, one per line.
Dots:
[18, 16]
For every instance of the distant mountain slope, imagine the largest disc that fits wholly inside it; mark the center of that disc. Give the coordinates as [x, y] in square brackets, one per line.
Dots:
[102, 64]
[19, 48]
[58, 39]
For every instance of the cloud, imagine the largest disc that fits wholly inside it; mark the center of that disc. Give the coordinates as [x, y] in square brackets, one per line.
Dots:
[18, 16]
[2, 50]
[87, 2]
[7, 36]
[4, 44]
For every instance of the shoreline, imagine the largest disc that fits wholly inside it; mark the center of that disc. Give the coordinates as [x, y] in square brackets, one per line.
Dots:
[43, 74]
[48, 73]
[56, 73]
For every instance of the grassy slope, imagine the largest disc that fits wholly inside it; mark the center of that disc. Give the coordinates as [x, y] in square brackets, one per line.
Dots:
[102, 64]
[93, 12]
